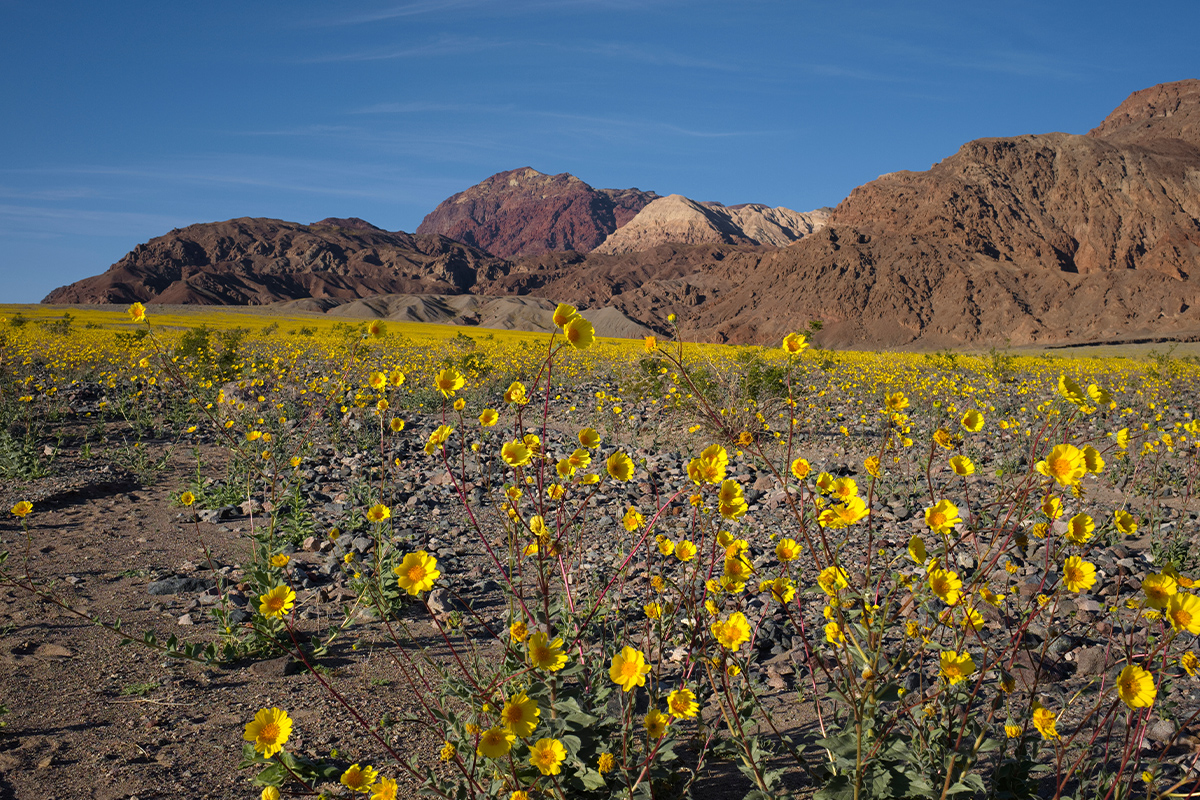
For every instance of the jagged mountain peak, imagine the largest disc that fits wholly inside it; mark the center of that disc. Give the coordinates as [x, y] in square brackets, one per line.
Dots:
[523, 212]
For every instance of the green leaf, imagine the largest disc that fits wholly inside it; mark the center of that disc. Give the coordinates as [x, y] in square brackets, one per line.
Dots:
[838, 788]
[844, 745]
[590, 780]
[273, 775]
[250, 756]
[968, 783]
[568, 705]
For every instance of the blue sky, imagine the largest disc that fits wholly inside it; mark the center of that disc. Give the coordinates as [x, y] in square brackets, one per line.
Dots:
[122, 120]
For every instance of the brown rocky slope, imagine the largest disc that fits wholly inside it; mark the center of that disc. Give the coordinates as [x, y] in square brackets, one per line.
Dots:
[524, 212]
[256, 261]
[1029, 239]
[1032, 238]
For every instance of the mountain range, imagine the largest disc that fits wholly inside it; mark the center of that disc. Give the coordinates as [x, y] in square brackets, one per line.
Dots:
[1033, 239]
[252, 261]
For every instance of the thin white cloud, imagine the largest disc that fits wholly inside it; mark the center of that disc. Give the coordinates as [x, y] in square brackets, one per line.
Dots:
[495, 7]
[421, 140]
[1023, 63]
[301, 130]
[457, 45]
[22, 233]
[445, 46]
[835, 71]
[235, 174]
[51, 195]
[218, 176]
[429, 108]
[650, 55]
[405, 10]
[91, 222]
[646, 125]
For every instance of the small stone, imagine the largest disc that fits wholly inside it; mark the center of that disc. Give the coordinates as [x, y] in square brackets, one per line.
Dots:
[442, 603]
[186, 619]
[239, 616]
[1090, 661]
[1161, 731]
[177, 584]
[277, 667]
[1062, 645]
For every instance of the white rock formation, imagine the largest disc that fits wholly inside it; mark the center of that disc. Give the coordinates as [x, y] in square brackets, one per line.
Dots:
[677, 219]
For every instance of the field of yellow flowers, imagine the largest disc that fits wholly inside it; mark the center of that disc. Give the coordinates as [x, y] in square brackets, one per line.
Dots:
[386, 559]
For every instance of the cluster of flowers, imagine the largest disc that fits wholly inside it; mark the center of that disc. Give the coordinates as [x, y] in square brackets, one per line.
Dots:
[851, 613]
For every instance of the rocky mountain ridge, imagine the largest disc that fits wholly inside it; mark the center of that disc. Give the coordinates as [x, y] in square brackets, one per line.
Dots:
[1033, 239]
[525, 212]
[252, 261]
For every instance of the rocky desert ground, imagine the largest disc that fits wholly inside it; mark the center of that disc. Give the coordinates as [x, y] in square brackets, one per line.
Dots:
[176, 477]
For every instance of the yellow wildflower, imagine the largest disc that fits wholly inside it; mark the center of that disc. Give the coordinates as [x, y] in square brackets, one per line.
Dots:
[733, 632]
[629, 668]
[956, 667]
[269, 731]
[1136, 687]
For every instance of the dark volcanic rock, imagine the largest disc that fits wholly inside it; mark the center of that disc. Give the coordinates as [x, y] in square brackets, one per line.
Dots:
[256, 261]
[524, 212]
[353, 223]
[178, 584]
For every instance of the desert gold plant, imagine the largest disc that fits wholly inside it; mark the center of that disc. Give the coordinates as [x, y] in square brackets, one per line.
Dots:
[925, 659]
